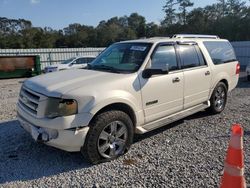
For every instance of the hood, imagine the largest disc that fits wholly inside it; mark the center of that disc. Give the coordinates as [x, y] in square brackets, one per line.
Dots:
[58, 83]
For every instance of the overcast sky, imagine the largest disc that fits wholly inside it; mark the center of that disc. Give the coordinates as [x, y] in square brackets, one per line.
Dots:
[59, 13]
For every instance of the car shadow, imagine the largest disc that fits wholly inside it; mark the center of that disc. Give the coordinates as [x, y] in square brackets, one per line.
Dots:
[23, 159]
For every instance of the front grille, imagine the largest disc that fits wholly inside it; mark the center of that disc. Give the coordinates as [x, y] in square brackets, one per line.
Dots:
[29, 100]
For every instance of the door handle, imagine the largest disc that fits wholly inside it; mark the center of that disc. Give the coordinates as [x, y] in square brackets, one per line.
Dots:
[177, 79]
[207, 73]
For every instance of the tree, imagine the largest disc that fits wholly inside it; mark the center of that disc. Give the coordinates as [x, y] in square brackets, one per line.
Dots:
[152, 30]
[222, 7]
[197, 21]
[109, 31]
[170, 14]
[137, 23]
[183, 5]
[235, 7]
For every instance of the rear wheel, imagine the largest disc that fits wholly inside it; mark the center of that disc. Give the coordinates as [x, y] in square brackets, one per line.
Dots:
[219, 98]
[110, 136]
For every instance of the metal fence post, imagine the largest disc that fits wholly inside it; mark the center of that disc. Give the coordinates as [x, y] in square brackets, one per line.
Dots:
[50, 61]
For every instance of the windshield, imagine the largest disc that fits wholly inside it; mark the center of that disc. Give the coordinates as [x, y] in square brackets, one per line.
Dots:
[68, 60]
[122, 57]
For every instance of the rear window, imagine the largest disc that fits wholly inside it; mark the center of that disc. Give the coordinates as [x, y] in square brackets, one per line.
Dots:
[220, 51]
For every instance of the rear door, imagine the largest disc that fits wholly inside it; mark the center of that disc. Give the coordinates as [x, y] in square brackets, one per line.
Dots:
[197, 74]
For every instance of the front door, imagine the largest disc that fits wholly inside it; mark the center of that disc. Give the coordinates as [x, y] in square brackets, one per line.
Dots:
[162, 95]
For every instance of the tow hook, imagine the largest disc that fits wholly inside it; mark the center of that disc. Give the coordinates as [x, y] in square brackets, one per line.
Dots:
[43, 137]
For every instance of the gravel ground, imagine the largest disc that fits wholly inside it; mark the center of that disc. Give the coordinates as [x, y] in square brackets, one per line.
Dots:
[187, 153]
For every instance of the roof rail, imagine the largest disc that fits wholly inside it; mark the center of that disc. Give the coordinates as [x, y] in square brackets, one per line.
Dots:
[158, 37]
[187, 36]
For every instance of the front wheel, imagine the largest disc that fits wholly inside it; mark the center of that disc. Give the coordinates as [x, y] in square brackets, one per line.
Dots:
[219, 98]
[110, 136]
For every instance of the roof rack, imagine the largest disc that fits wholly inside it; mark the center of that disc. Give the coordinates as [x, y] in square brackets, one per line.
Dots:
[158, 37]
[187, 36]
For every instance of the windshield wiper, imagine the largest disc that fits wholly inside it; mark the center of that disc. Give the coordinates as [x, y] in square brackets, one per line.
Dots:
[104, 67]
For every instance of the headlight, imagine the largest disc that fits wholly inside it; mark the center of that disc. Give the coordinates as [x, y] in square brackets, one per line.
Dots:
[60, 107]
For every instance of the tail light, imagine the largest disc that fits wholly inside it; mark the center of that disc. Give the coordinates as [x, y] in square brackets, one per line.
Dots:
[238, 68]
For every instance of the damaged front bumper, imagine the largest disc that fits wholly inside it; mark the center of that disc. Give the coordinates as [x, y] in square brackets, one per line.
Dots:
[70, 139]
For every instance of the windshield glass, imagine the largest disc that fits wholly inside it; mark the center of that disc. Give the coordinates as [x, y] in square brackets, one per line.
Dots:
[68, 60]
[122, 57]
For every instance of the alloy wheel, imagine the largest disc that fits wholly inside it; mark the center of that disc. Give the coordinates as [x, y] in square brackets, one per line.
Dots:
[112, 140]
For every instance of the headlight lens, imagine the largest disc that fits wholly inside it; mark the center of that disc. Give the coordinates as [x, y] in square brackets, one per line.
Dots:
[60, 107]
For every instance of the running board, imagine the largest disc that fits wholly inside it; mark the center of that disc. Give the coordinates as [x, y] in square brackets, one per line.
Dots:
[170, 119]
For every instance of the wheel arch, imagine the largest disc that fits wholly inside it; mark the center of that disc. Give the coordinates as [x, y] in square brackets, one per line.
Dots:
[225, 82]
[118, 106]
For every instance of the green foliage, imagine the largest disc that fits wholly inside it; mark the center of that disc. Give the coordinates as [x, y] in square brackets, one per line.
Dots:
[227, 18]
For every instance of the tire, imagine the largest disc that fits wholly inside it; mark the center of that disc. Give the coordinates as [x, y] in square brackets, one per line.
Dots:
[102, 142]
[218, 99]
[248, 77]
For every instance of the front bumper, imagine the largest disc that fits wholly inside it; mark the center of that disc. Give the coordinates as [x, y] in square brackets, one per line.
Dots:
[68, 140]
[66, 133]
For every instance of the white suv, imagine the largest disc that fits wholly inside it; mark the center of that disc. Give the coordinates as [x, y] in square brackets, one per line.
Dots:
[72, 63]
[132, 87]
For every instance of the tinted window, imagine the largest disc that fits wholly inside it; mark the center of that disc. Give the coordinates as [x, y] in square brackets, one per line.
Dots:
[220, 51]
[189, 56]
[164, 56]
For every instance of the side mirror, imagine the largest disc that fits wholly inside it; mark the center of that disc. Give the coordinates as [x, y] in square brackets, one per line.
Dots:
[147, 73]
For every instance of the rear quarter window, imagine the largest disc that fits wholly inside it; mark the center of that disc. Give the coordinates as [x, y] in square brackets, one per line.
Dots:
[220, 51]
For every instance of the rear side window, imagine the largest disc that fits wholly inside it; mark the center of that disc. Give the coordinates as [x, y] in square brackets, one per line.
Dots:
[189, 56]
[220, 51]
